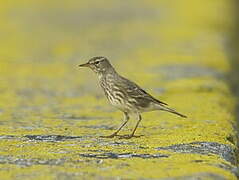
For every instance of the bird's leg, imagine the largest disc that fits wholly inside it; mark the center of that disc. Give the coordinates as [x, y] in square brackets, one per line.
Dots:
[137, 124]
[126, 119]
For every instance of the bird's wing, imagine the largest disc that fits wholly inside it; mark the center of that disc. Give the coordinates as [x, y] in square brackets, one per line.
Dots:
[133, 90]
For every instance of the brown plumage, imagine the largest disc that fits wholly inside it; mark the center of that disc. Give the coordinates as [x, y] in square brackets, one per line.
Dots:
[124, 94]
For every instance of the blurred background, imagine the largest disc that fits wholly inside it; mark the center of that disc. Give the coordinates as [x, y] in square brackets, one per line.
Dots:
[180, 51]
[44, 41]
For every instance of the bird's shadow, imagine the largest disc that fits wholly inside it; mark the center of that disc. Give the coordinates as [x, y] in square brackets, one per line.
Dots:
[126, 136]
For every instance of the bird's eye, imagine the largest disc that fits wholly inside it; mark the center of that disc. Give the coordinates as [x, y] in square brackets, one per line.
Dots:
[97, 62]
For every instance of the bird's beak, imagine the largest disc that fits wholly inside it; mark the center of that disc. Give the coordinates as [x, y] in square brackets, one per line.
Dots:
[84, 65]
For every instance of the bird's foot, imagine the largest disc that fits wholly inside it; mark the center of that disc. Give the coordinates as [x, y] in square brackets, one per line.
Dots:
[130, 136]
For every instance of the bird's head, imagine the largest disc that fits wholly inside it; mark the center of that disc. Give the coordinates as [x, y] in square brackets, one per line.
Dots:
[98, 64]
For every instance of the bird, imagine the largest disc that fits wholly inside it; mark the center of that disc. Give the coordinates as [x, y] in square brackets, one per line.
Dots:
[124, 94]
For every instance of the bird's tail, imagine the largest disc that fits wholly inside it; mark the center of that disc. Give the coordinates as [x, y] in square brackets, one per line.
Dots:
[171, 111]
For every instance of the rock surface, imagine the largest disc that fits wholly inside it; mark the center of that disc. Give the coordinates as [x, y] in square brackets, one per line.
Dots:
[52, 113]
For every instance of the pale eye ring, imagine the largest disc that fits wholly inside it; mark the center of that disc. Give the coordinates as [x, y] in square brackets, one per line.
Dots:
[97, 62]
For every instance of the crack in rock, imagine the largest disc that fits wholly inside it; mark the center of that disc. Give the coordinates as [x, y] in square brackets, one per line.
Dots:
[52, 138]
[123, 155]
[198, 176]
[30, 162]
[224, 151]
[7, 137]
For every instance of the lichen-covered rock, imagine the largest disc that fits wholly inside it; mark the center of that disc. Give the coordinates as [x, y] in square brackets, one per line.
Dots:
[52, 114]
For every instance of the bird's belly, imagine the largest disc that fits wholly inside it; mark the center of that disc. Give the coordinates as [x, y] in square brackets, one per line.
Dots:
[120, 104]
[117, 98]
[117, 103]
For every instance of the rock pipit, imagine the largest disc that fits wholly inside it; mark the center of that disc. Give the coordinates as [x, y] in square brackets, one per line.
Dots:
[124, 94]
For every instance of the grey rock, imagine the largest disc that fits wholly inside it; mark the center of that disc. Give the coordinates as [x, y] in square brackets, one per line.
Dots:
[110, 155]
[52, 138]
[174, 72]
[226, 152]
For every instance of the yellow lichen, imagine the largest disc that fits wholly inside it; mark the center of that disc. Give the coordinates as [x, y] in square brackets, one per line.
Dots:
[43, 92]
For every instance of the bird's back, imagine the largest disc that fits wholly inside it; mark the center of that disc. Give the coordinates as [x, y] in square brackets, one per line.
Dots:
[126, 95]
